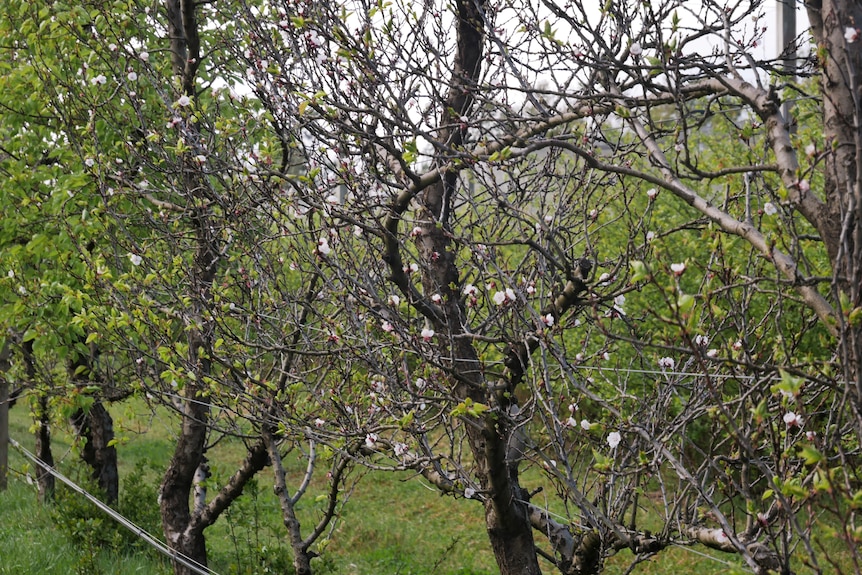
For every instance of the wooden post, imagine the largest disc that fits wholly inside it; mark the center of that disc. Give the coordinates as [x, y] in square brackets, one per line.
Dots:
[4, 416]
[4, 430]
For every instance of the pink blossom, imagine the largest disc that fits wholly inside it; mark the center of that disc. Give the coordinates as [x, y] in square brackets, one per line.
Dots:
[427, 334]
[387, 326]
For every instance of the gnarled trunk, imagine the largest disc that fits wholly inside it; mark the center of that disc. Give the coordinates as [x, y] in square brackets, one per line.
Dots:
[96, 427]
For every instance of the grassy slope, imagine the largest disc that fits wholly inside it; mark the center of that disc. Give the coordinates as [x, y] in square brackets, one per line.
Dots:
[391, 524]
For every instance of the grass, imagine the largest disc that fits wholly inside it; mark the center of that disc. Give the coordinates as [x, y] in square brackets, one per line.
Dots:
[391, 524]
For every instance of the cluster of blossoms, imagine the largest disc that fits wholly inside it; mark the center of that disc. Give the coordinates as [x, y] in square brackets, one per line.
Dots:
[504, 297]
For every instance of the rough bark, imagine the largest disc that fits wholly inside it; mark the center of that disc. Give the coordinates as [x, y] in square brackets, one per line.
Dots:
[301, 556]
[840, 225]
[190, 447]
[95, 427]
[506, 517]
[44, 480]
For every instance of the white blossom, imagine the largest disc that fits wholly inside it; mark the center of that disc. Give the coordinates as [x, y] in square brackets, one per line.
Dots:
[371, 440]
[394, 300]
[636, 49]
[666, 363]
[548, 320]
[400, 449]
[469, 492]
[184, 101]
[769, 209]
[586, 425]
[652, 193]
[851, 34]
[678, 269]
[427, 333]
[135, 259]
[614, 439]
[792, 419]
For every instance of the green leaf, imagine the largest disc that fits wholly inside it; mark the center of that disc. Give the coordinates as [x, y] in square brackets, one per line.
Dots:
[640, 272]
[811, 455]
[685, 303]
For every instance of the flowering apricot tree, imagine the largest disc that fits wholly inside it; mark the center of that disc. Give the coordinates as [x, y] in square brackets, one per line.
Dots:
[573, 263]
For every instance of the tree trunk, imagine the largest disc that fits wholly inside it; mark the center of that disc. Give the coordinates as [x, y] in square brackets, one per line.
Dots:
[177, 518]
[44, 480]
[841, 223]
[177, 486]
[96, 427]
[506, 515]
